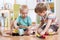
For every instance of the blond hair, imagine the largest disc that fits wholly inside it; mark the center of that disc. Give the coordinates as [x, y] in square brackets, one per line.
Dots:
[23, 7]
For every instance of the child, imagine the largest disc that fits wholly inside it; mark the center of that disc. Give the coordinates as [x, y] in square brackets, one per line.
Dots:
[2, 21]
[48, 20]
[23, 21]
[2, 25]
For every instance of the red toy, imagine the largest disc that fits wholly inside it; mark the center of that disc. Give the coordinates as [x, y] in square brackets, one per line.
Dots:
[43, 36]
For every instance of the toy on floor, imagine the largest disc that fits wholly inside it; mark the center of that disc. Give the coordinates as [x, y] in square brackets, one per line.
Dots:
[44, 36]
[15, 32]
[52, 33]
[39, 36]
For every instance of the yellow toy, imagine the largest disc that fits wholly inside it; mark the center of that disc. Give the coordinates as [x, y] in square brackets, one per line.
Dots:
[51, 33]
[15, 31]
[38, 35]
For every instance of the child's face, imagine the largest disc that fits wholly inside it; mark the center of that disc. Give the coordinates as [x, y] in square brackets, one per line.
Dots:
[24, 13]
[42, 14]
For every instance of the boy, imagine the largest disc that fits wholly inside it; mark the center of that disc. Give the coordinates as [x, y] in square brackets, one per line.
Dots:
[48, 20]
[23, 22]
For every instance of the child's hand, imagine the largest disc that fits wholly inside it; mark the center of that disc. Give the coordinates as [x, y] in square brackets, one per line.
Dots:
[42, 33]
[17, 27]
[29, 27]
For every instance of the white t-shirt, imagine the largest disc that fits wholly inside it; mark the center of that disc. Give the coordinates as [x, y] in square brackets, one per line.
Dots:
[50, 15]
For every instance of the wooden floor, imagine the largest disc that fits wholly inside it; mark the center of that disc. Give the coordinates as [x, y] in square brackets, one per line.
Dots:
[51, 37]
[55, 37]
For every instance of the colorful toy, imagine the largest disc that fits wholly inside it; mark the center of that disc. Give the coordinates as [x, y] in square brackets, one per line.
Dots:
[51, 33]
[41, 36]
[15, 31]
[38, 35]
[44, 36]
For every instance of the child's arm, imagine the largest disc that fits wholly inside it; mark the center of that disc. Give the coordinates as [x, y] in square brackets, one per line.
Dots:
[47, 26]
[21, 26]
[15, 24]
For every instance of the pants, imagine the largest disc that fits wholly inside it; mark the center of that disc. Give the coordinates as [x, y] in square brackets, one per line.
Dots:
[53, 27]
[22, 31]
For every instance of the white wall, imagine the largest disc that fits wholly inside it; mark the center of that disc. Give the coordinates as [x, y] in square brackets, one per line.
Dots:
[31, 3]
[58, 9]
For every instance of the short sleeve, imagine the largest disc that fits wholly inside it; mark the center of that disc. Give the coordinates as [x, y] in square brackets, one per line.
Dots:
[51, 16]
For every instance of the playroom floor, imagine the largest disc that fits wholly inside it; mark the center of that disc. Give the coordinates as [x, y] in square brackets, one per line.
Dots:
[55, 37]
